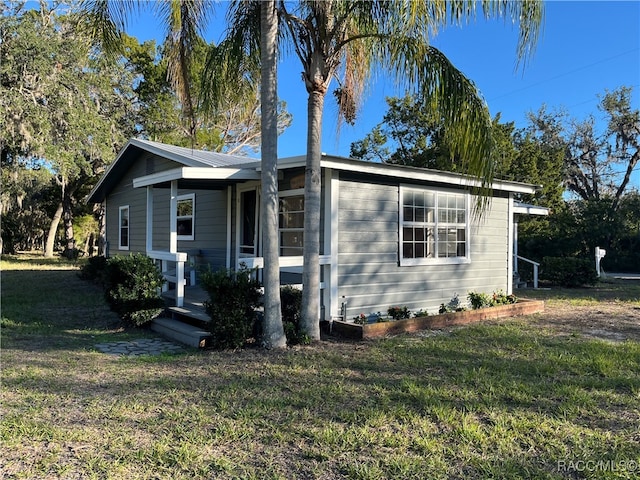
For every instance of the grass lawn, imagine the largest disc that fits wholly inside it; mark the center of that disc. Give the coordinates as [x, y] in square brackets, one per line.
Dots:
[534, 397]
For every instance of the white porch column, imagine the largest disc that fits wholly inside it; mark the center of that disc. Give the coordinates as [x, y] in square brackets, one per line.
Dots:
[149, 234]
[332, 305]
[512, 246]
[173, 217]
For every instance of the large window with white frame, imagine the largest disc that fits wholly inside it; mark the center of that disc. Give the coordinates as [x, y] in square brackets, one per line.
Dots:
[123, 227]
[434, 226]
[185, 216]
[291, 222]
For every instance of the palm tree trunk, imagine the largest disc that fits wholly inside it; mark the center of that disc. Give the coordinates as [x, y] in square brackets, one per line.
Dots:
[273, 334]
[311, 247]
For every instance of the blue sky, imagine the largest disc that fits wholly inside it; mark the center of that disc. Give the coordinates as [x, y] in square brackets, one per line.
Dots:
[585, 48]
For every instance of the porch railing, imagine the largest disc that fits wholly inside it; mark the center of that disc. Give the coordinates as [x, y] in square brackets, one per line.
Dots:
[536, 265]
[173, 275]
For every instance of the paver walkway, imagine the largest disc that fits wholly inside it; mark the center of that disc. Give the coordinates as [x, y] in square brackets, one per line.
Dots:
[143, 346]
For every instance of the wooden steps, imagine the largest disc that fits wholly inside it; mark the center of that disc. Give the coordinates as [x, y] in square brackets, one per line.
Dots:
[187, 324]
[181, 332]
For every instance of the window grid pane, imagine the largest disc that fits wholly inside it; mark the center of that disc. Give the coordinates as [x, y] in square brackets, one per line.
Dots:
[434, 225]
[291, 225]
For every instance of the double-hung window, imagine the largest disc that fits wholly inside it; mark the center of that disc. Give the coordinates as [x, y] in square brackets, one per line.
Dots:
[291, 222]
[186, 207]
[123, 228]
[434, 227]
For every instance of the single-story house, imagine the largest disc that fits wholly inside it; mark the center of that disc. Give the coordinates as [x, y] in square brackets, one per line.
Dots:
[390, 235]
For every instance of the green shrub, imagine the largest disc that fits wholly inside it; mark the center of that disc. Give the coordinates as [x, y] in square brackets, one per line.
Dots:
[484, 300]
[479, 300]
[399, 313]
[94, 270]
[568, 271]
[132, 285]
[454, 305]
[291, 306]
[233, 299]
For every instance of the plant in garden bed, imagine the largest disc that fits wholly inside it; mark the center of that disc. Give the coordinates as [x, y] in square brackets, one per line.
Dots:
[421, 313]
[484, 300]
[454, 305]
[399, 313]
[362, 319]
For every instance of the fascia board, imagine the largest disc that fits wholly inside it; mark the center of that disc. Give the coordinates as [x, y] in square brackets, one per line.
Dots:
[196, 173]
[408, 173]
[526, 209]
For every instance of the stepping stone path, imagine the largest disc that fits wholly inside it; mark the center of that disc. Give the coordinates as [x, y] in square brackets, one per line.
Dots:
[143, 346]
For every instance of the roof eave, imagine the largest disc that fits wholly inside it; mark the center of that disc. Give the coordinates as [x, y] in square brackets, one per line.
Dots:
[415, 173]
[196, 173]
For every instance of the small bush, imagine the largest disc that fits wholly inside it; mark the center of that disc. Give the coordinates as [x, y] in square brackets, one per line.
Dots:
[484, 300]
[94, 270]
[399, 313]
[291, 306]
[361, 319]
[479, 300]
[454, 305]
[568, 271]
[132, 284]
[233, 299]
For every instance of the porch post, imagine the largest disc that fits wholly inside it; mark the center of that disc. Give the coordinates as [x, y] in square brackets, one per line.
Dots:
[149, 235]
[173, 217]
[512, 246]
[332, 306]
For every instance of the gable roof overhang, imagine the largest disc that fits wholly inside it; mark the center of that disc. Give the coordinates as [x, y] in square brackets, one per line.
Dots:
[408, 173]
[187, 157]
[215, 170]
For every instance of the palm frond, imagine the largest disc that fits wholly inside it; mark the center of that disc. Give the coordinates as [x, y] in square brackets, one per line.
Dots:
[108, 19]
[185, 20]
[232, 68]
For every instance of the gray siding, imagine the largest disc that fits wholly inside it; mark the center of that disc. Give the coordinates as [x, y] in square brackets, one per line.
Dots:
[210, 215]
[369, 272]
[124, 194]
[210, 235]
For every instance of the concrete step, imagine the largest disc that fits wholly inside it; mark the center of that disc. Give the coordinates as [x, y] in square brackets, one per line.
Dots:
[193, 313]
[181, 332]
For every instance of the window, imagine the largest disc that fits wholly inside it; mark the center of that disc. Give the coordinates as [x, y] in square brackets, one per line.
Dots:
[185, 216]
[291, 223]
[249, 223]
[123, 230]
[433, 227]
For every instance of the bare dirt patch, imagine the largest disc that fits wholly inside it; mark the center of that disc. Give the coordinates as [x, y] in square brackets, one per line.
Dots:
[606, 319]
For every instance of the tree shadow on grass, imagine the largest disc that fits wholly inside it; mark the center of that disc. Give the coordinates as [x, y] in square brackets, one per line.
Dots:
[50, 309]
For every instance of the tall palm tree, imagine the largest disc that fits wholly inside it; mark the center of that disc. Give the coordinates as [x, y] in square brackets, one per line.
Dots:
[184, 20]
[349, 41]
[273, 335]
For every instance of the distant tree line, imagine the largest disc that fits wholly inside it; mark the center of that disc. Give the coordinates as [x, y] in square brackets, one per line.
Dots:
[584, 168]
[68, 107]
